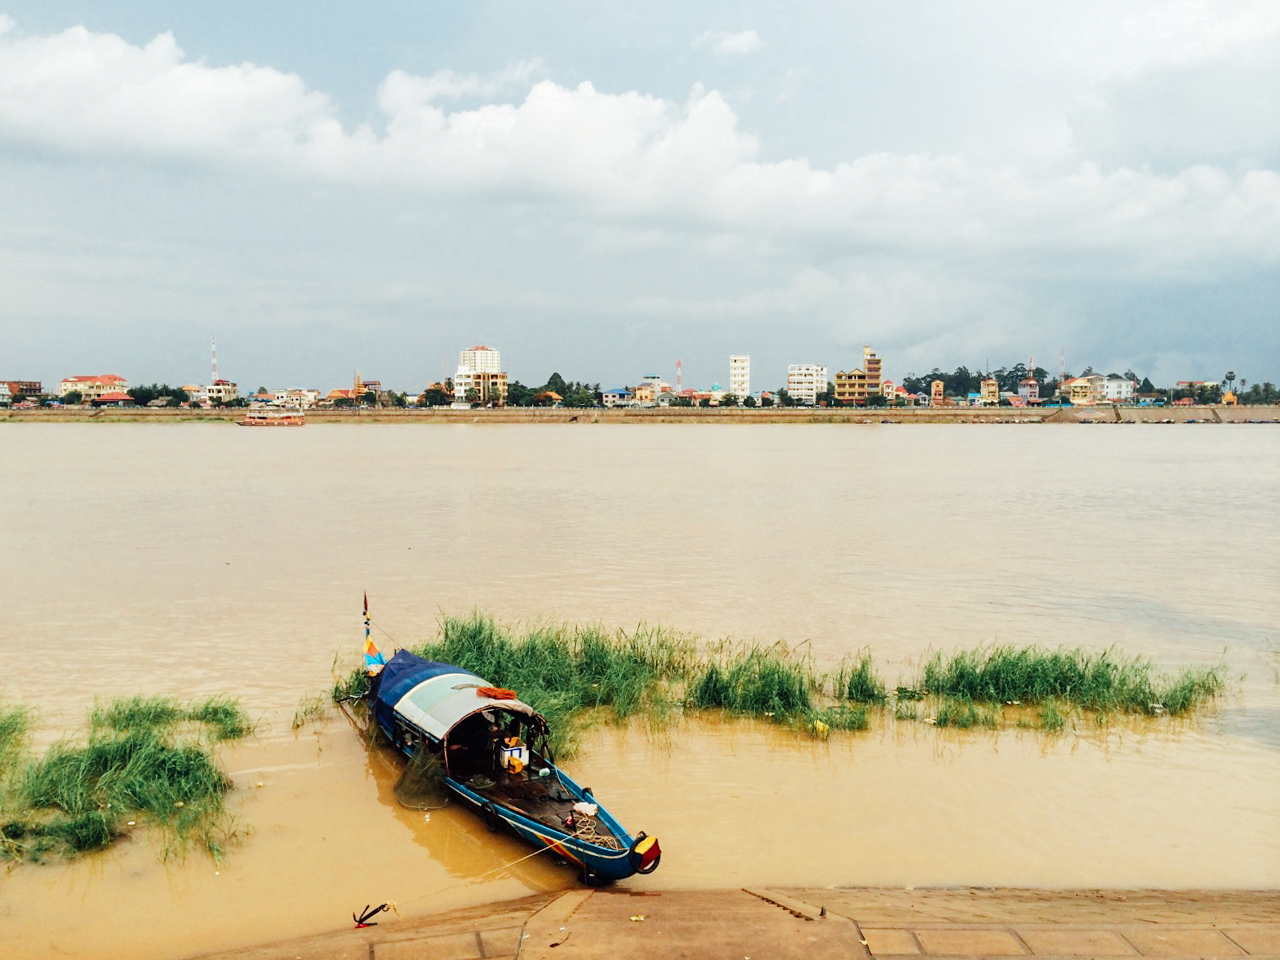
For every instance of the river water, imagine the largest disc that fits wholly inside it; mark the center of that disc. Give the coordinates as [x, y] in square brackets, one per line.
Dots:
[202, 558]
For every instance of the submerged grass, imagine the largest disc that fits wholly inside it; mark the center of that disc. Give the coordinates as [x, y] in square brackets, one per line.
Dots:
[563, 670]
[575, 675]
[757, 681]
[145, 760]
[860, 684]
[1106, 681]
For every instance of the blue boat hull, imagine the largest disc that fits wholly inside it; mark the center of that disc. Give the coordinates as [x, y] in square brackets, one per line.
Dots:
[455, 715]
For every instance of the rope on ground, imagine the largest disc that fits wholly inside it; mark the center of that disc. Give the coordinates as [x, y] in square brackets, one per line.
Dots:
[394, 905]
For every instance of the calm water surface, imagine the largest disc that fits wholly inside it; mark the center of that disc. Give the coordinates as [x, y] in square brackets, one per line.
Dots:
[192, 559]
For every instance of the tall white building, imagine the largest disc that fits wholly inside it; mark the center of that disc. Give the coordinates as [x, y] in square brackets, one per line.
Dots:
[480, 360]
[805, 381]
[480, 369]
[740, 375]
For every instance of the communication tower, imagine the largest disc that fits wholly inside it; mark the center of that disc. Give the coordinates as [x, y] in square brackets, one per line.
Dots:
[679, 375]
[213, 347]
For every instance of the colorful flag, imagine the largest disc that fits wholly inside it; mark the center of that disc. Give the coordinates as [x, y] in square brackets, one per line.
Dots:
[373, 658]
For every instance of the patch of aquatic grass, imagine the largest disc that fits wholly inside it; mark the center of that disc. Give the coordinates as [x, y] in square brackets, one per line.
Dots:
[142, 762]
[860, 683]
[906, 711]
[134, 713]
[762, 681]
[1188, 689]
[1051, 718]
[563, 670]
[820, 723]
[15, 725]
[223, 717]
[964, 714]
[908, 693]
[311, 711]
[1097, 681]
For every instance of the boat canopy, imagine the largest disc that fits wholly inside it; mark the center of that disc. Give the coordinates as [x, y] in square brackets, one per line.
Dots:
[434, 696]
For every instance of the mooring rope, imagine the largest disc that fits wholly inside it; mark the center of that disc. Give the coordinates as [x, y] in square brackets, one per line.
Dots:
[394, 905]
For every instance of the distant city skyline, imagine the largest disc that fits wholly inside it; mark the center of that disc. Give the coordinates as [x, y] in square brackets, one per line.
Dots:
[599, 189]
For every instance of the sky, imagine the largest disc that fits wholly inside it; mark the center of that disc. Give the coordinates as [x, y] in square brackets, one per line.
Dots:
[599, 189]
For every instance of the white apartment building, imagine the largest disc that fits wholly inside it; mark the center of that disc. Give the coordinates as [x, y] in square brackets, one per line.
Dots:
[805, 381]
[1118, 390]
[740, 375]
[221, 391]
[477, 360]
[480, 369]
[481, 360]
[303, 399]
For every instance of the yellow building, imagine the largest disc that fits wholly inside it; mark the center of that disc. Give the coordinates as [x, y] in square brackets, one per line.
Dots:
[857, 386]
[991, 390]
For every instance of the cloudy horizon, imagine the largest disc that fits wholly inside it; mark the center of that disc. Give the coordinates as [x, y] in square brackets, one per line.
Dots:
[598, 191]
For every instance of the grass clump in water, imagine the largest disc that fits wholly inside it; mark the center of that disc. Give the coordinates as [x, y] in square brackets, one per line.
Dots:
[763, 681]
[311, 711]
[563, 671]
[964, 713]
[145, 760]
[820, 723]
[861, 684]
[570, 674]
[1051, 718]
[1105, 681]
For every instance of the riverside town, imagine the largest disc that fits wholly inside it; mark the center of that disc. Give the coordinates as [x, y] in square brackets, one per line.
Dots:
[481, 382]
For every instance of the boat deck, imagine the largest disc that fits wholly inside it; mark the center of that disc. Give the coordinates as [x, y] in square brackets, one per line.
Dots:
[545, 801]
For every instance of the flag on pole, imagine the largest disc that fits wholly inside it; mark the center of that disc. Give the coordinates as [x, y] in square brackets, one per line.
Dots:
[373, 658]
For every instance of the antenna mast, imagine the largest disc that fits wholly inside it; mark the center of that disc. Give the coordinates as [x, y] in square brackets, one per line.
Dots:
[679, 374]
[213, 347]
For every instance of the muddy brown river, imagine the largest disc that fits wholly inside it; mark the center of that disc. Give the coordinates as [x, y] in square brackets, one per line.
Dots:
[202, 558]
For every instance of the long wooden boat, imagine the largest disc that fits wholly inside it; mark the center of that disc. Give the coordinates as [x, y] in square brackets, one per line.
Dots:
[496, 757]
[273, 418]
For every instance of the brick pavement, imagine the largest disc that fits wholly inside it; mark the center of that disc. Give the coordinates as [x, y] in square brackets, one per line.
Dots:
[820, 924]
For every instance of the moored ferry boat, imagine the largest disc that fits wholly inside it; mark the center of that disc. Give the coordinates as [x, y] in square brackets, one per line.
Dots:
[271, 417]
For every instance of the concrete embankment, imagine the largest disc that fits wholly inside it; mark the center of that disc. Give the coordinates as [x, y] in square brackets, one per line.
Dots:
[820, 924]
[737, 415]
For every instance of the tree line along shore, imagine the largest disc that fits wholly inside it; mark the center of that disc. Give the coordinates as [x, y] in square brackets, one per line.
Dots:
[888, 415]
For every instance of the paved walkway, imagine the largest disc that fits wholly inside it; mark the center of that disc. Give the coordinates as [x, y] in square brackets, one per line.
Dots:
[819, 924]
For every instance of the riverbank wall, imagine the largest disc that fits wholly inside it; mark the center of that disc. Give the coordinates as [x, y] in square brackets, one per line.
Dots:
[736, 415]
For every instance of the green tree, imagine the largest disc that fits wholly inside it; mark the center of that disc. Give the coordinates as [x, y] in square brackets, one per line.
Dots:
[766, 401]
[518, 395]
[729, 400]
[74, 397]
[749, 401]
[435, 396]
[556, 383]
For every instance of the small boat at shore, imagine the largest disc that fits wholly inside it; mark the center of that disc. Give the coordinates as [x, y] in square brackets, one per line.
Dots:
[268, 417]
[494, 756]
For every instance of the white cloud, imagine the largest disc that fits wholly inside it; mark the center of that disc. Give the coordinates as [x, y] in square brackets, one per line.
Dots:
[88, 92]
[725, 44]
[401, 89]
[640, 160]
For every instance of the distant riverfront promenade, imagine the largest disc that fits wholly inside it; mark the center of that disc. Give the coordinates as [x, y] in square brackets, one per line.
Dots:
[552, 415]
